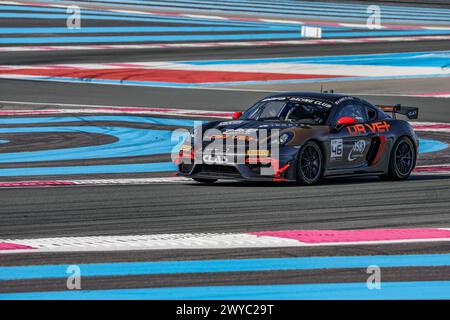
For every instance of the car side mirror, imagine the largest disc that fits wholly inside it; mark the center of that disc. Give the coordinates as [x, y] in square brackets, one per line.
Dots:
[346, 121]
[236, 115]
[343, 122]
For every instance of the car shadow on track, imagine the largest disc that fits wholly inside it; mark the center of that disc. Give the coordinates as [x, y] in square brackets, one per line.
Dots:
[325, 182]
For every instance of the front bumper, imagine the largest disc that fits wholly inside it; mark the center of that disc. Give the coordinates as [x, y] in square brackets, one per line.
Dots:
[281, 169]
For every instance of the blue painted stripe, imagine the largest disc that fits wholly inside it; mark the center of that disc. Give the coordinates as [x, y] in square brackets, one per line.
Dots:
[428, 145]
[60, 13]
[159, 38]
[132, 119]
[313, 9]
[408, 59]
[347, 6]
[318, 6]
[330, 6]
[289, 33]
[119, 17]
[242, 265]
[129, 16]
[383, 33]
[303, 5]
[317, 13]
[98, 169]
[132, 142]
[151, 17]
[323, 291]
[303, 12]
[58, 30]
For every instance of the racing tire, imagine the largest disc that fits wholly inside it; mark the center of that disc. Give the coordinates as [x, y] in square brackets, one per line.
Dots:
[310, 164]
[207, 181]
[402, 160]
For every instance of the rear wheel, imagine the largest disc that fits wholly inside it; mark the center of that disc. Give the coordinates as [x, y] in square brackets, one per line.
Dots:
[310, 164]
[207, 181]
[402, 160]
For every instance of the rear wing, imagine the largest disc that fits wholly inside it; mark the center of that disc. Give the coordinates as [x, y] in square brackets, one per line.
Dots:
[410, 112]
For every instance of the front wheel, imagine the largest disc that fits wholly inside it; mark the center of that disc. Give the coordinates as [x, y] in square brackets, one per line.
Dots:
[310, 164]
[207, 181]
[402, 160]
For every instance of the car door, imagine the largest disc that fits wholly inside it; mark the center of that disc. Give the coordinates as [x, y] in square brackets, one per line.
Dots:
[350, 144]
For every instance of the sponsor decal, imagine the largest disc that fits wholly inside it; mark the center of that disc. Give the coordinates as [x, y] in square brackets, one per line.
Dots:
[312, 101]
[357, 150]
[260, 153]
[230, 147]
[411, 113]
[224, 137]
[229, 123]
[240, 131]
[217, 159]
[234, 134]
[274, 99]
[276, 125]
[186, 147]
[337, 148]
[344, 99]
[361, 129]
[300, 99]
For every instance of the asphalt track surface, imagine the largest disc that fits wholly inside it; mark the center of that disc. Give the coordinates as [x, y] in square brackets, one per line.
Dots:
[422, 201]
[431, 109]
[137, 55]
[226, 207]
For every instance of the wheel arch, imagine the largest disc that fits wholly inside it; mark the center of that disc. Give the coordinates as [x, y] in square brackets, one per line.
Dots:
[322, 148]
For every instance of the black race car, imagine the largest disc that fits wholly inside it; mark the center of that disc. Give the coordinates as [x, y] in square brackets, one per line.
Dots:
[303, 137]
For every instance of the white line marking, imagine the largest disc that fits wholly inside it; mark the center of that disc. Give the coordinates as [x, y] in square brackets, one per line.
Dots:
[149, 242]
[92, 182]
[198, 16]
[111, 109]
[358, 25]
[282, 21]
[131, 181]
[176, 241]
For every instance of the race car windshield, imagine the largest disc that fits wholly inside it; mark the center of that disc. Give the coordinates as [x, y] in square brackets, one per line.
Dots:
[285, 110]
[265, 110]
[305, 113]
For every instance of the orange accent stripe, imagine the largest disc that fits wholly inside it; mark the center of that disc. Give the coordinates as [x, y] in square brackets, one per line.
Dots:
[281, 170]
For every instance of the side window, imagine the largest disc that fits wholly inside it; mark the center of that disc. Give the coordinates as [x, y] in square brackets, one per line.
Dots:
[371, 113]
[355, 110]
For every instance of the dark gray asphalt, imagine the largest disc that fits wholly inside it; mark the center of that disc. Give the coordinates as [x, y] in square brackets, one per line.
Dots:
[226, 207]
[229, 278]
[110, 210]
[423, 201]
[431, 109]
[417, 3]
[139, 55]
[44, 258]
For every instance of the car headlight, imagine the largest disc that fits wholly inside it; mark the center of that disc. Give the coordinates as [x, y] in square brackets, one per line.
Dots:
[285, 138]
